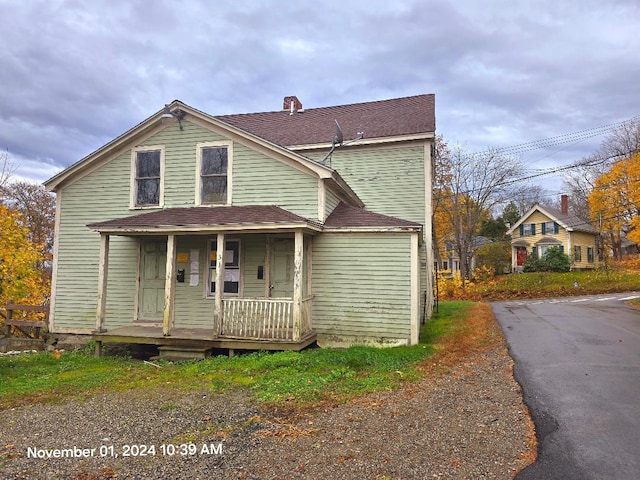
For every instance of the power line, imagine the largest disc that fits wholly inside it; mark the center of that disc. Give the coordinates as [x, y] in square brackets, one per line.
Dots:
[573, 137]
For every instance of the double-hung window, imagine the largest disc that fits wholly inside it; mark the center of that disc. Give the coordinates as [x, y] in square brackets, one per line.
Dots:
[213, 175]
[146, 177]
[577, 253]
[231, 267]
[590, 258]
[549, 228]
[527, 229]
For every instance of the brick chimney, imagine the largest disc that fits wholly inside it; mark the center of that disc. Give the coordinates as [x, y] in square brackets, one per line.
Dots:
[564, 204]
[292, 104]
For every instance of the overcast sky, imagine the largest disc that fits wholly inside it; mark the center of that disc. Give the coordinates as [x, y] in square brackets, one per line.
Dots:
[76, 74]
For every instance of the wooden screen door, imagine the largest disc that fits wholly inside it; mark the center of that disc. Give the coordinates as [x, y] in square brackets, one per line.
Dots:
[153, 259]
[282, 267]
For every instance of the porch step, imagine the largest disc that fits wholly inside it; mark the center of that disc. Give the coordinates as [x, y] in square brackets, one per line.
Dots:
[177, 353]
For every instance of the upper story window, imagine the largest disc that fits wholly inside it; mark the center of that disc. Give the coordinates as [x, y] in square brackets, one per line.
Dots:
[147, 166]
[527, 229]
[213, 176]
[549, 228]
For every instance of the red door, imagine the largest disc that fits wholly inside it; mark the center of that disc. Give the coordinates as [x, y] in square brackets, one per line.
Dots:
[521, 256]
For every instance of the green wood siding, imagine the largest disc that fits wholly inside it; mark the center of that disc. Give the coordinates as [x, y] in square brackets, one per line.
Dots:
[101, 195]
[331, 202]
[104, 194]
[258, 179]
[362, 286]
[389, 180]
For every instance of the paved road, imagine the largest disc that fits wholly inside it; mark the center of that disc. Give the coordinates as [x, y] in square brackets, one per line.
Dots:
[578, 361]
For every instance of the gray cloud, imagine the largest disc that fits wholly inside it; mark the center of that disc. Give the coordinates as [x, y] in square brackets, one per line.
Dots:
[74, 74]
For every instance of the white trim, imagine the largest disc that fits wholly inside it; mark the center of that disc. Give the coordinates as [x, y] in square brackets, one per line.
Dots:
[371, 229]
[415, 291]
[112, 150]
[255, 228]
[54, 265]
[366, 141]
[132, 184]
[428, 230]
[322, 200]
[198, 189]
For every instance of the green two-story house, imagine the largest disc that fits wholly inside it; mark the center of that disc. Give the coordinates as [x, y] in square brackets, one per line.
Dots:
[268, 230]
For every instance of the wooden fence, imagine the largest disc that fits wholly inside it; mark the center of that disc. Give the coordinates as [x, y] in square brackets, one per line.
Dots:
[29, 328]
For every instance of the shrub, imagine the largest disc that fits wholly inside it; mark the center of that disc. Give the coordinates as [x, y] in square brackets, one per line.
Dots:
[553, 260]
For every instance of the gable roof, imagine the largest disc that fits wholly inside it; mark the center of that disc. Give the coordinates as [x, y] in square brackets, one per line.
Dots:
[570, 222]
[154, 123]
[398, 117]
[205, 218]
[347, 216]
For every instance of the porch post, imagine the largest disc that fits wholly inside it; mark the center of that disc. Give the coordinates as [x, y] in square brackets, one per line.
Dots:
[103, 270]
[219, 284]
[308, 253]
[297, 284]
[169, 286]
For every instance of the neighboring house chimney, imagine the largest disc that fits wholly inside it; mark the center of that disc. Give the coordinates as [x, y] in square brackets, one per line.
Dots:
[292, 104]
[564, 204]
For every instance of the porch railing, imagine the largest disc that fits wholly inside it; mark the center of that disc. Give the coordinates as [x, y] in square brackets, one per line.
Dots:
[263, 318]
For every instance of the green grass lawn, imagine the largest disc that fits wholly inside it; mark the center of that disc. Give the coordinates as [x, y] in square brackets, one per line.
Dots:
[303, 377]
[547, 284]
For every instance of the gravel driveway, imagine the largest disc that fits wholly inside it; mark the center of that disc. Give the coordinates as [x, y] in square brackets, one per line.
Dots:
[465, 420]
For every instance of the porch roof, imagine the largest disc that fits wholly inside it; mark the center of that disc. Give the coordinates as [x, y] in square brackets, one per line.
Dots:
[347, 216]
[207, 219]
[548, 241]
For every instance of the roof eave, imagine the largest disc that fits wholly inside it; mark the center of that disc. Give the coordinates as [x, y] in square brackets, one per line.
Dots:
[204, 229]
[367, 141]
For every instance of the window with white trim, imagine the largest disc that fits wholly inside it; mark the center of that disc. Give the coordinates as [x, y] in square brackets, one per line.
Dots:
[549, 228]
[146, 184]
[577, 253]
[213, 174]
[527, 229]
[231, 267]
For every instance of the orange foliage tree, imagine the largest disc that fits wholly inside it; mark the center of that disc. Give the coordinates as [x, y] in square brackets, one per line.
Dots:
[20, 278]
[615, 203]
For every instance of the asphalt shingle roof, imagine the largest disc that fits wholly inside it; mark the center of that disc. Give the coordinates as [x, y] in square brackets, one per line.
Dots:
[572, 221]
[384, 118]
[204, 216]
[347, 216]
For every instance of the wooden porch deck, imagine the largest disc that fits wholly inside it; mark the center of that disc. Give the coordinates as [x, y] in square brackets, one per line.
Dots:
[195, 338]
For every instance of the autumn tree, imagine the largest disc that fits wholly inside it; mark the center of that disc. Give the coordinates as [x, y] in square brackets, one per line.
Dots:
[580, 181]
[615, 203]
[468, 188]
[37, 207]
[20, 278]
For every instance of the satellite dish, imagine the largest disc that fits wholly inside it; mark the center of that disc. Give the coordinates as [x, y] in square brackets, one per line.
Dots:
[339, 138]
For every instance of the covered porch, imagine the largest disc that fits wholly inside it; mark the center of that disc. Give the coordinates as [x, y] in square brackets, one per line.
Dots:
[247, 285]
